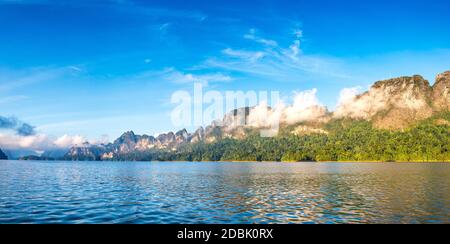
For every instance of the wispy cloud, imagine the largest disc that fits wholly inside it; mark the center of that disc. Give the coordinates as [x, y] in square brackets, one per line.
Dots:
[275, 62]
[251, 35]
[178, 77]
[164, 27]
[245, 55]
[11, 99]
[15, 79]
[175, 76]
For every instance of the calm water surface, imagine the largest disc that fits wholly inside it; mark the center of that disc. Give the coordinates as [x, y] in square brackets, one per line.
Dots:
[143, 192]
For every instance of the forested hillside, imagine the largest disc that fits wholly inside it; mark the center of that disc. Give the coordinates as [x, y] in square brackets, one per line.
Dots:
[347, 140]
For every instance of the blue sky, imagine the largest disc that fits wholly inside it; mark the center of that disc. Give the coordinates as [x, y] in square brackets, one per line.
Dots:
[96, 68]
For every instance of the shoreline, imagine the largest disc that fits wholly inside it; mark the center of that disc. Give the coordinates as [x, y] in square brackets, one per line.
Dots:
[236, 161]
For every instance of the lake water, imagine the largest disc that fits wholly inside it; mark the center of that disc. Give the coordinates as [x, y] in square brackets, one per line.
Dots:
[163, 192]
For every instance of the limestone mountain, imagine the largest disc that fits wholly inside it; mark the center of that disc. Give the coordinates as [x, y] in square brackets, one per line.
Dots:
[393, 104]
[129, 143]
[400, 102]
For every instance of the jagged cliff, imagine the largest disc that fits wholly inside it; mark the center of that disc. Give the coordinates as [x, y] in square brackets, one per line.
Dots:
[389, 104]
[3, 155]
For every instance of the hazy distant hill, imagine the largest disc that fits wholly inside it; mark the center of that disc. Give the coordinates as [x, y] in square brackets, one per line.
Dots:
[403, 111]
[2, 155]
[18, 153]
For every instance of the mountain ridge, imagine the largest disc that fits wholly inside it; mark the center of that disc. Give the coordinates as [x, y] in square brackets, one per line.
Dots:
[392, 104]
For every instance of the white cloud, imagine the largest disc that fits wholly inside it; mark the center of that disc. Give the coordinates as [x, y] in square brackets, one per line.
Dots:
[44, 142]
[36, 142]
[66, 141]
[247, 55]
[262, 116]
[183, 78]
[75, 68]
[346, 95]
[306, 107]
[306, 99]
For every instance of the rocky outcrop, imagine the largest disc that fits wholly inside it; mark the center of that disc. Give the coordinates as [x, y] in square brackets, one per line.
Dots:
[145, 142]
[126, 143]
[441, 92]
[3, 155]
[198, 135]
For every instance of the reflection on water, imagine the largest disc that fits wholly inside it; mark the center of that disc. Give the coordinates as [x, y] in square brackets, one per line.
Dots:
[143, 192]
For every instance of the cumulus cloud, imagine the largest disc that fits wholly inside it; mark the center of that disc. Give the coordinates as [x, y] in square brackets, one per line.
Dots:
[347, 95]
[264, 116]
[20, 128]
[14, 141]
[306, 99]
[306, 107]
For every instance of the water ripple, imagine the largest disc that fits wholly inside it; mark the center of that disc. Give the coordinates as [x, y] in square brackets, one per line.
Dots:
[143, 192]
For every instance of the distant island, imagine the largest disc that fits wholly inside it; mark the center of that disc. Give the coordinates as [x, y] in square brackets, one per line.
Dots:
[400, 120]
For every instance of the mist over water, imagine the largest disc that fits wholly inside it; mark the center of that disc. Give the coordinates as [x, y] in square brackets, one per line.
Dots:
[169, 192]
